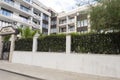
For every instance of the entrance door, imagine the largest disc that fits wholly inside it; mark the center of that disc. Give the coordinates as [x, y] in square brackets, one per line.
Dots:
[6, 50]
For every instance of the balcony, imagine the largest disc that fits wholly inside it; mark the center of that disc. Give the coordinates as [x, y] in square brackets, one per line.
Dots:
[9, 2]
[71, 29]
[37, 16]
[61, 23]
[71, 21]
[28, 1]
[53, 30]
[7, 14]
[15, 7]
[35, 25]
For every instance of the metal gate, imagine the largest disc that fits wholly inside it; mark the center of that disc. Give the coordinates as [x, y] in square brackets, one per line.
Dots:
[6, 50]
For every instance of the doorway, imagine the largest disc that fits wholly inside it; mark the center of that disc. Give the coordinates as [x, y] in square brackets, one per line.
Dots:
[6, 50]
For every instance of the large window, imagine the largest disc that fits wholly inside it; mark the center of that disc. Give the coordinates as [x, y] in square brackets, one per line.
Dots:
[24, 18]
[24, 8]
[45, 17]
[10, 2]
[83, 23]
[28, 1]
[6, 12]
[45, 26]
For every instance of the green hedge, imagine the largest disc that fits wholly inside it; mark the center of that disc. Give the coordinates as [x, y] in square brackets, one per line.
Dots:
[81, 43]
[24, 44]
[96, 43]
[52, 43]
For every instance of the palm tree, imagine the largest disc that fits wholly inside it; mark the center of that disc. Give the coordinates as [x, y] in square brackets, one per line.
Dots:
[27, 32]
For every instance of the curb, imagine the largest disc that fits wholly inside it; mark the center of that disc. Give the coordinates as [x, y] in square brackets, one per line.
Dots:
[25, 75]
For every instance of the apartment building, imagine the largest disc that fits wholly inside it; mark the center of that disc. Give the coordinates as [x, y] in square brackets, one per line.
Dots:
[76, 20]
[24, 13]
[34, 14]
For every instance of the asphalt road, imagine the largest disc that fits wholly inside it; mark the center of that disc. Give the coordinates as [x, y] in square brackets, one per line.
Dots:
[4, 75]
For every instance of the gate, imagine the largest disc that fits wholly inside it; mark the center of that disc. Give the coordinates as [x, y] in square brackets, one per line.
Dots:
[6, 50]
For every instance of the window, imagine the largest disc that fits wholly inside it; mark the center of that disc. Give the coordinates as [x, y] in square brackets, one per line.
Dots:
[28, 1]
[45, 26]
[45, 17]
[6, 12]
[24, 18]
[53, 22]
[83, 23]
[24, 8]
[10, 2]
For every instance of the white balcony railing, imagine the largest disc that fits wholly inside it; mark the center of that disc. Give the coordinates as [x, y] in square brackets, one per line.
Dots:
[53, 30]
[71, 21]
[7, 14]
[36, 16]
[16, 6]
[35, 25]
[28, 1]
[8, 2]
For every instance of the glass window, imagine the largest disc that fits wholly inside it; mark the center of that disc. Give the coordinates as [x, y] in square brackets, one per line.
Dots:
[24, 8]
[6, 12]
[28, 1]
[86, 22]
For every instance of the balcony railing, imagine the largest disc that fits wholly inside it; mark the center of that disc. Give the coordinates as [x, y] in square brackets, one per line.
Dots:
[28, 1]
[6, 13]
[35, 25]
[36, 16]
[71, 21]
[62, 22]
[71, 29]
[9, 2]
[14, 5]
[53, 30]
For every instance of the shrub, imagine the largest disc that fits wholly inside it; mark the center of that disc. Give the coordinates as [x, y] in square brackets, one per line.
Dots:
[52, 43]
[96, 43]
[24, 44]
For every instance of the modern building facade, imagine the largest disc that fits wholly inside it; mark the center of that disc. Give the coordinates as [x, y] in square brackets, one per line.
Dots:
[34, 14]
[76, 20]
[25, 13]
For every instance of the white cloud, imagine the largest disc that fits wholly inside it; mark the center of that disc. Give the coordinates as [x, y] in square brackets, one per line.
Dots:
[63, 5]
[59, 5]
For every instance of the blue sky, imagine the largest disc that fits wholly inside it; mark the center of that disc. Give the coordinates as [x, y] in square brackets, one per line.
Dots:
[59, 5]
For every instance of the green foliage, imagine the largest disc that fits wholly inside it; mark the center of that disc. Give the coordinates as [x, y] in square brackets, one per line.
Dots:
[52, 43]
[27, 32]
[24, 44]
[96, 43]
[6, 38]
[106, 15]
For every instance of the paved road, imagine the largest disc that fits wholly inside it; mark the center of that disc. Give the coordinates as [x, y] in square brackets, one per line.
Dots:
[4, 75]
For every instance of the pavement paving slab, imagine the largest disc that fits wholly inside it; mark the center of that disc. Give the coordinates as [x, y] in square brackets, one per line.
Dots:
[48, 74]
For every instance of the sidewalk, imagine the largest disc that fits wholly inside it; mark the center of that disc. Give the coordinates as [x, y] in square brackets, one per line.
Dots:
[47, 74]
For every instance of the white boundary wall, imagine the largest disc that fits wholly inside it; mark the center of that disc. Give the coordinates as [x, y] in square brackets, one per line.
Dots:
[103, 65]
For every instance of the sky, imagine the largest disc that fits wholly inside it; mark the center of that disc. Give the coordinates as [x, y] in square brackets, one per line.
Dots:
[59, 5]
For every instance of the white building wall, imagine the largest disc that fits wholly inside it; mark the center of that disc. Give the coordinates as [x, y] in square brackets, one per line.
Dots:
[102, 65]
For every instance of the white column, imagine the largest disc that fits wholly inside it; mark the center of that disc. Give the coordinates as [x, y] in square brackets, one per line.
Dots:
[58, 31]
[68, 44]
[34, 48]
[49, 25]
[41, 22]
[89, 26]
[32, 10]
[75, 23]
[12, 47]
[67, 30]
[1, 46]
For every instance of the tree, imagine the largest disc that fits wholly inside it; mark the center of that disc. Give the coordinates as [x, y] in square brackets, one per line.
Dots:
[106, 15]
[84, 2]
[27, 32]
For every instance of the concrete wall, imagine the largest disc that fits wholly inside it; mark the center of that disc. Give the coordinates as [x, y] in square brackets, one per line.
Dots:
[103, 65]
